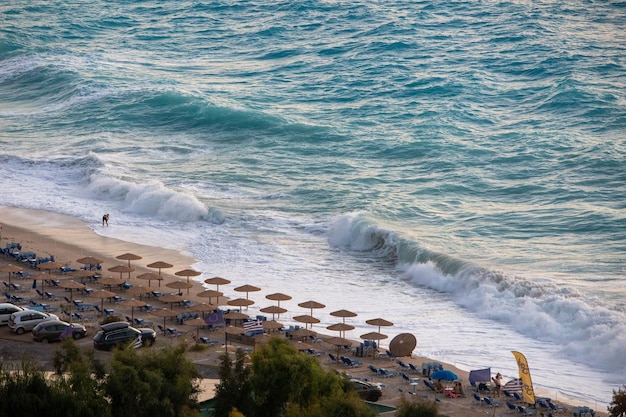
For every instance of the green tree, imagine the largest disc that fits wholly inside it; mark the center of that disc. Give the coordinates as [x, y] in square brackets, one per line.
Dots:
[233, 391]
[617, 408]
[156, 383]
[417, 408]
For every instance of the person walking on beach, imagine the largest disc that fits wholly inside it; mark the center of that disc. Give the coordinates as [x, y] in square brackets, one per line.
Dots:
[105, 219]
[497, 381]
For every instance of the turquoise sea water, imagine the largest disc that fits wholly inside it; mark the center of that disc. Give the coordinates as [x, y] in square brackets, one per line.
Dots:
[455, 167]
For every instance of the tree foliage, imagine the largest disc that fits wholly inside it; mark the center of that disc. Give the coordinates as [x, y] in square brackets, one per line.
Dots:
[417, 408]
[154, 383]
[284, 382]
[617, 408]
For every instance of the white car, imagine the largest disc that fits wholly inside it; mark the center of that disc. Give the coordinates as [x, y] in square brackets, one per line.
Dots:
[25, 321]
[6, 309]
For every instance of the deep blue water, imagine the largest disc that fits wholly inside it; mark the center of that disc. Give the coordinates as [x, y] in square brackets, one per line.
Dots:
[470, 154]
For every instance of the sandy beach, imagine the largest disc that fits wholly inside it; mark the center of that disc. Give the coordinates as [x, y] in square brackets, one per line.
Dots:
[68, 239]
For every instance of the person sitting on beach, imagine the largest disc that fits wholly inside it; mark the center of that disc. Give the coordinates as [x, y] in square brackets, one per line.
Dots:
[105, 219]
[458, 389]
[438, 386]
[497, 381]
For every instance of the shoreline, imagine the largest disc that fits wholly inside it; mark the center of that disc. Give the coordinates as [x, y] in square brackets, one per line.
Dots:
[68, 239]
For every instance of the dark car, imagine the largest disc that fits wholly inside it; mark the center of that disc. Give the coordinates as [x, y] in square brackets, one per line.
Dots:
[51, 331]
[120, 334]
[366, 390]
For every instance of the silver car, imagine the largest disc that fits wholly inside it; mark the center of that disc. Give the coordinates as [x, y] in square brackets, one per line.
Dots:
[25, 321]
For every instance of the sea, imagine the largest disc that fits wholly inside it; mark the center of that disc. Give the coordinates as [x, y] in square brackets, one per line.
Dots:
[457, 168]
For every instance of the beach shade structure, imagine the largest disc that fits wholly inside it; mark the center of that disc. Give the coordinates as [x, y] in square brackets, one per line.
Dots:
[235, 315]
[444, 375]
[301, 333]
[150, 276]
[202, 308]
[240, 302]
[307, 320]
[197, 323]
[210, 294]
[402, 345]
[138, 290]
[273, 310]
[49, 266]
[128, 257]
[247, 288]
[311, 305]
[11, 269]
[110, 281]
[179, 285]
[132, 303]
[172, 298]
[187, 273]
[231, 330]
[121, 269]
[159, 265]
[270, 325]
[70, 284]
[102, 294]
[165, 313]
[343, 314]
[277, 296]
[339, 342]
[379, 323]
[83, 273]
[217, 281]
[342, 328]
[373, 337]
[90, 260]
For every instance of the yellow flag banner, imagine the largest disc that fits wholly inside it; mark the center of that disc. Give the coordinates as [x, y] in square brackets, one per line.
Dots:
[528, 393]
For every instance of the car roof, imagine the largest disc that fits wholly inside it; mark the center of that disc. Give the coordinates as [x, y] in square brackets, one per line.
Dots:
[27, 311]
[11, 305]
[114, 326]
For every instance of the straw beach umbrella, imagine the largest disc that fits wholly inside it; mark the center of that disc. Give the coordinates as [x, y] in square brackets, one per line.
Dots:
[277, 296]
[306, 319]
[247, 288]
[179, 285]
[210, 294]
[311, 305]
[217, 281]
[11, 269]
[187, 273]
[379, 322]
[197, 322]
[71, 285]
[90, 260]
[203, 308]
[165, 313]
[138, 290]
[341, 328]
[102, 294]
[110, 281]
[172, 298]
[128, 257]
[273, 310]
[374, 337]
[159, 265]
[49, 266]
[150, 276]
[121, 269]
[132, 303]
[240, 302]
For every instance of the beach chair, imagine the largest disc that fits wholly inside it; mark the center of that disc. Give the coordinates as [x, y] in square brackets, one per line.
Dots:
[332, 357]
[518, 397]
[555, 408]
[373, 369]
[390, 355]
[511, 406]
[143, 323]
[491, 403]
[206, 341]
[414, 369]
[173, 332]
[351, 363]
[386, 373]
[477, 398]
[430, 385]
[523, 410]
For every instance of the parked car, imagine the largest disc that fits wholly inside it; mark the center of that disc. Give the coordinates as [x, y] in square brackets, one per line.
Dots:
[51, 331]
[6, 309]
[120, 333]
[366, 390]
[26, 320]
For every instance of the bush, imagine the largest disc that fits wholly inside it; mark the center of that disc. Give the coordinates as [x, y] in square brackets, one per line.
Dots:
[417, 408]
[617, 408]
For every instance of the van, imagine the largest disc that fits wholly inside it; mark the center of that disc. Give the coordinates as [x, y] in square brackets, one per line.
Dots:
[26, 320]
[6, 309]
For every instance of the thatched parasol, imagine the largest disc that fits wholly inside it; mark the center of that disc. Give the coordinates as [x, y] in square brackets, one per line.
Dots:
[90, 260]
[311, 305]
[132, 303]
[341, 328]
[150, 276]
[178, 285]
[128, 257]
[102, 294]
[110, 281]
[159, 265]
[138, 290]
[379, 322]
[197, 322]
[187, 273]
[306, 319]
[171, 298]
[374, 337]
[217, 281]
[273, 310]
[11, 269]
[210, 294]
[240, 302]
[49, 266]
[121, 269]
[277, 296]
[71, 285]
[165, 313]
[247, 288]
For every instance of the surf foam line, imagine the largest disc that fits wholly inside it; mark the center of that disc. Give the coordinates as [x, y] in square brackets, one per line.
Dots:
[542, 309]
